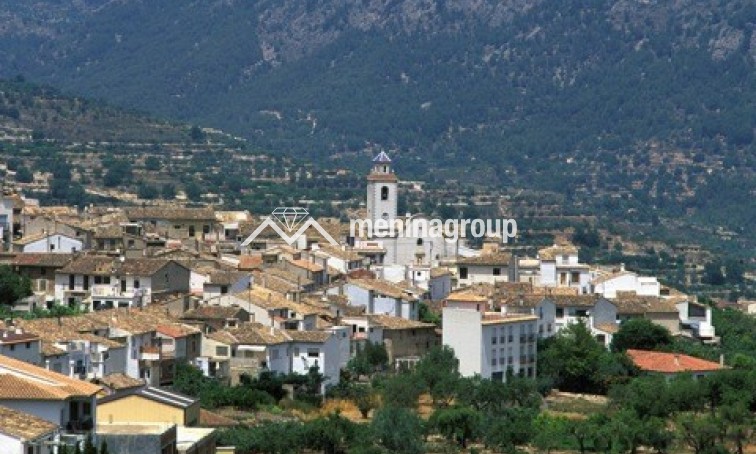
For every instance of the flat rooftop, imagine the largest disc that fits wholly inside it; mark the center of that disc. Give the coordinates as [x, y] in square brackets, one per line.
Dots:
[133, 429]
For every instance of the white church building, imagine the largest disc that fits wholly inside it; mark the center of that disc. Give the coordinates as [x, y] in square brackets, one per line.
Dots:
[411, 242]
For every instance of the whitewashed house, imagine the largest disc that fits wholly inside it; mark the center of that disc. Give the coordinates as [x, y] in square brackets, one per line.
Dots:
[55, 243]
[609, 284]
[379, 297]
[98, 282]
[560, 267]
[491, 344]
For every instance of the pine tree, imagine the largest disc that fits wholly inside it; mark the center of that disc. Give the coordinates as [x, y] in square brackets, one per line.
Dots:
[89, 447]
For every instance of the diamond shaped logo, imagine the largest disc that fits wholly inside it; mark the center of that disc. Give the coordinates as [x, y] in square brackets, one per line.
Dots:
[290, 217]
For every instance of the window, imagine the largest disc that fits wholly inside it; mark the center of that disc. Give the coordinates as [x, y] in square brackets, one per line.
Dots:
[224, 289]
[71, 281]
[463, 272]
[497, 271]
[131, 243]
[98, 279]
[419, 241]
[313, 352]
[205, 229]
[191, 230]
[86, 282]
[28, 345]
[384, 193]
[106, 280]
[296, 351]
[221, 351]
[560, 312]
[274, 354]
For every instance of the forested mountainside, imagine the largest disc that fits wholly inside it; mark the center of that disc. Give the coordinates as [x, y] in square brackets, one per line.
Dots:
[643, 107]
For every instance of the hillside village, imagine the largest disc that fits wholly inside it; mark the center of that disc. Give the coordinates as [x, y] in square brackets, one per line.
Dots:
[143, 291]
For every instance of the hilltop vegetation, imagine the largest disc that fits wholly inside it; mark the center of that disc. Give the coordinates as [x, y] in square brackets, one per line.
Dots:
[640, 110]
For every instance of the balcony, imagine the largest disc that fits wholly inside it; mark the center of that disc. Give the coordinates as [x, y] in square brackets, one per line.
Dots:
[150, 353]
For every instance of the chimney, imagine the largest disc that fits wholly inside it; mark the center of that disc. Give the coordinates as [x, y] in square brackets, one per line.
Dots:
[721, 360]
[19, 330]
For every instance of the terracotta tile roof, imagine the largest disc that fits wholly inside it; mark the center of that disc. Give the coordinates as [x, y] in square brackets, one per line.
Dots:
[382, 177]
[250, 262]
[208, 312]
[410, 288]
[29, 239]
[171, 213]
[466, 296]
[383, 287]
[24, 426]
[12, 336]
[250, 334]
[177, 330]
[610, 328]
[118, 382]
[267, 299]
[396, 323]
[154, 394]
[306, 264]
[497, 259]
[222, 277]
[550, 253]
[520, 300]
[574, 300]
[210, 419]
[21, 380]
[42, 259]
[108, 266]
[108, 232]
[634, 304]
[288, 276]
[556, 291]
[69, 329]
[609, 276]
[496, 318]
[670, 363]
[316, 337]
[339, 253]
[438, 272]
[49, 349]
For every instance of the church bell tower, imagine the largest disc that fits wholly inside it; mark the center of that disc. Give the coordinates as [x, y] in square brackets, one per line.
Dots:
[381, 190]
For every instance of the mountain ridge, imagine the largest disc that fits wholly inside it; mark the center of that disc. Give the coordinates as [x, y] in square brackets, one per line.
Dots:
[652, 102]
